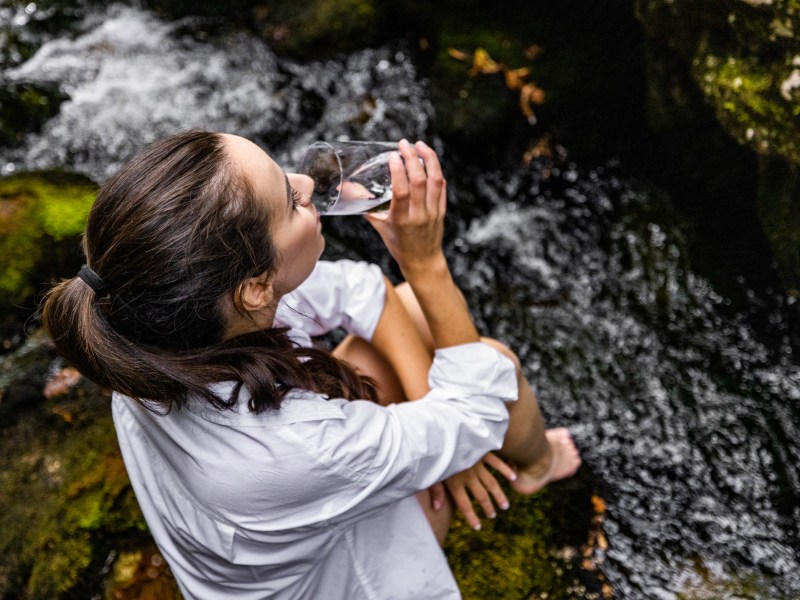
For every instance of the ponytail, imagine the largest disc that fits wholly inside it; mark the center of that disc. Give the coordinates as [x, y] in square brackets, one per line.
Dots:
[266, 363]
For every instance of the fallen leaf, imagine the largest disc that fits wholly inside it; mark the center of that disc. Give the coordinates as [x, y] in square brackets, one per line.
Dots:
[598, 504]
[61, 382]
[458, 54]
[602, 542]
[484, 64]
[515, 77]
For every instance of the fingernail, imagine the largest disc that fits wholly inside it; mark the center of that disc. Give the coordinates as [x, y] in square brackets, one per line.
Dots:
[404, 142]
[513, 476]
[477, 527]
[437, 504]
[394, 155]
[493, 516]
[505, 505]
[421, 143]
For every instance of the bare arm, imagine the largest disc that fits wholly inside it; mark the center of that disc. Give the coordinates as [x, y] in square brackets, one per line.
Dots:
[412, 231]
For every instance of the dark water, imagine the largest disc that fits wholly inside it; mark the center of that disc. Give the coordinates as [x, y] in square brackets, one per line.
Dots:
[687, 416]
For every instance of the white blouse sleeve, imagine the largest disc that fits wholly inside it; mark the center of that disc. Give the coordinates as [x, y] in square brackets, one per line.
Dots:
[344, 293]
[375, 455]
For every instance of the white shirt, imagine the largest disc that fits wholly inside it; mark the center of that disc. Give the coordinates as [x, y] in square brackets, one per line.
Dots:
[315, 500]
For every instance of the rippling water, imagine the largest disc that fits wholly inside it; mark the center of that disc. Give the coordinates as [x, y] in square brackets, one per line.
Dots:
[687, 421]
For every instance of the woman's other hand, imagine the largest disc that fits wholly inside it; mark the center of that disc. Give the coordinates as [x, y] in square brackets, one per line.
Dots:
[413, 227]
[482, 485]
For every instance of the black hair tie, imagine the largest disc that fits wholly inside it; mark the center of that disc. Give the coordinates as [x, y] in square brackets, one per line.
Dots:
[93, 280]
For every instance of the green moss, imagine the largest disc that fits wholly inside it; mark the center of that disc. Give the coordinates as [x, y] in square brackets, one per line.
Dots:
[41, 219]
[524, 553]
[744, 58]
[747, 98]
[65, 499]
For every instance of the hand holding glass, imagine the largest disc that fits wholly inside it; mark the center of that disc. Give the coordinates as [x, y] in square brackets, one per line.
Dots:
[350, 178]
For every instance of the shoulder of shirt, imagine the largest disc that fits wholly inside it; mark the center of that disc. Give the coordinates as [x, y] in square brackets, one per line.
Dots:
[298, 406]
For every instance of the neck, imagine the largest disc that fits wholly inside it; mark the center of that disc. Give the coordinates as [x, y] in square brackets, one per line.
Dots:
[248, 321]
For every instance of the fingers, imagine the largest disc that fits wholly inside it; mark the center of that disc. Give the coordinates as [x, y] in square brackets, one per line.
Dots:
[419, 185]
[435, 179]
[400, 187]
[417, 177]
[490, 485]
[483, 493]
[464, 506]
[479, 485]
[499, 465]
[437, 496]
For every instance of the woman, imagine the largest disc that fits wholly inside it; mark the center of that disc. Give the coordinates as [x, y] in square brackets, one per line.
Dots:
[259, 467]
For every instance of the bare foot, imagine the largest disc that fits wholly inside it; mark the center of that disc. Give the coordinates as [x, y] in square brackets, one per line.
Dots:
[562, 461]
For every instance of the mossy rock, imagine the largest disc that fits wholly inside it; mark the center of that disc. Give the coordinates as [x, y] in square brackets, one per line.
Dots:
[66, 506]
[745, 57]
[742, 60]
[42, 216]
[545, 546]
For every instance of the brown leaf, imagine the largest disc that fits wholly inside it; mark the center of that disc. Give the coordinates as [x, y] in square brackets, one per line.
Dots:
[515, 78]
[61, 382]
[458, 54]
[484, 64]
[602, 542]
[599, 505]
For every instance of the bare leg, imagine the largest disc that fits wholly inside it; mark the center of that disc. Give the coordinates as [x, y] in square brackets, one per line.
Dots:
[541, 456]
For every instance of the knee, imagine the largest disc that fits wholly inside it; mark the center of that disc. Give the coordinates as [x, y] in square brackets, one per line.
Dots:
[503, 349]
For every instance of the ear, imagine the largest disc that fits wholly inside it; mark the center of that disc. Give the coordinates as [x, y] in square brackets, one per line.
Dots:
[256, 293]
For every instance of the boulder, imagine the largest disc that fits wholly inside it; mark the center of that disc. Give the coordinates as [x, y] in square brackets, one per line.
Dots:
[42, 216]
[741, 59]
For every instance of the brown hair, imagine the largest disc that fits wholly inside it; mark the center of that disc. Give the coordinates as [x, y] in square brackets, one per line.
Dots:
[173, 235]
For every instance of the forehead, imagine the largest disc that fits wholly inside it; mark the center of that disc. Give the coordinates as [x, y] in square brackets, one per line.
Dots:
[263, 174]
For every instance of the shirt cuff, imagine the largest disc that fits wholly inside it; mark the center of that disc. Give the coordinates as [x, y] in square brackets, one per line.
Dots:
[474, 369]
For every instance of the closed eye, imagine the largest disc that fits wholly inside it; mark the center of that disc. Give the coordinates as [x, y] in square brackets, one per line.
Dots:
[295, 196]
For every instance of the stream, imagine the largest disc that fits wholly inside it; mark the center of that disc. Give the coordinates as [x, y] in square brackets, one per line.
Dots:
[686, 414]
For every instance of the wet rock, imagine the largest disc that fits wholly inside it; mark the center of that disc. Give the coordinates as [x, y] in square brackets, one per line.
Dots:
[534, 550]
[24, 108]
[41, 218]
[307, 30]
[779, 211]
[741, 59]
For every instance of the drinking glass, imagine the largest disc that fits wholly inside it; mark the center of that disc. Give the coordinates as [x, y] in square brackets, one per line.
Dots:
[350, 177]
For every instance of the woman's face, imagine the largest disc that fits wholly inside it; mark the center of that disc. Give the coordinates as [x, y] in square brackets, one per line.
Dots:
[296, 228]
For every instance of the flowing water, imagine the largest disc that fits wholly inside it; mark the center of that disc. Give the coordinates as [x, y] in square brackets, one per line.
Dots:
[687, 416]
